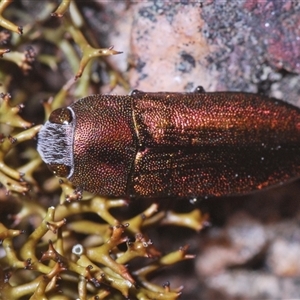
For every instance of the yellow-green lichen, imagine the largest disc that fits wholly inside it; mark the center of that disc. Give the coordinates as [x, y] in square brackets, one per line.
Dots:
[57, 242]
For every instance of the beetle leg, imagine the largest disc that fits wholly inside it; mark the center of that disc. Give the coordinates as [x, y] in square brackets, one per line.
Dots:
[137, 93]
[199, 90]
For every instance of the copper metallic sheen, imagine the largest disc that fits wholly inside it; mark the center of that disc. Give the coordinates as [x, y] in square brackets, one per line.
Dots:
[185, 145]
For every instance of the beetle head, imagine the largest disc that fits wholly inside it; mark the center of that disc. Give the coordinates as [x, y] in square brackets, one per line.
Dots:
[55, 142]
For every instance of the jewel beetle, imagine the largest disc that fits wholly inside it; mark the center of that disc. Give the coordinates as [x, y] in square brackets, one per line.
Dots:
[164, 144]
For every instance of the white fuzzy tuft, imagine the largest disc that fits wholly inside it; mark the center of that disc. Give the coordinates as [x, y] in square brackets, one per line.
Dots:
[55, 143]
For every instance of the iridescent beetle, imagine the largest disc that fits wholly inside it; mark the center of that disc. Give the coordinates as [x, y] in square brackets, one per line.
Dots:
[182, 145]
